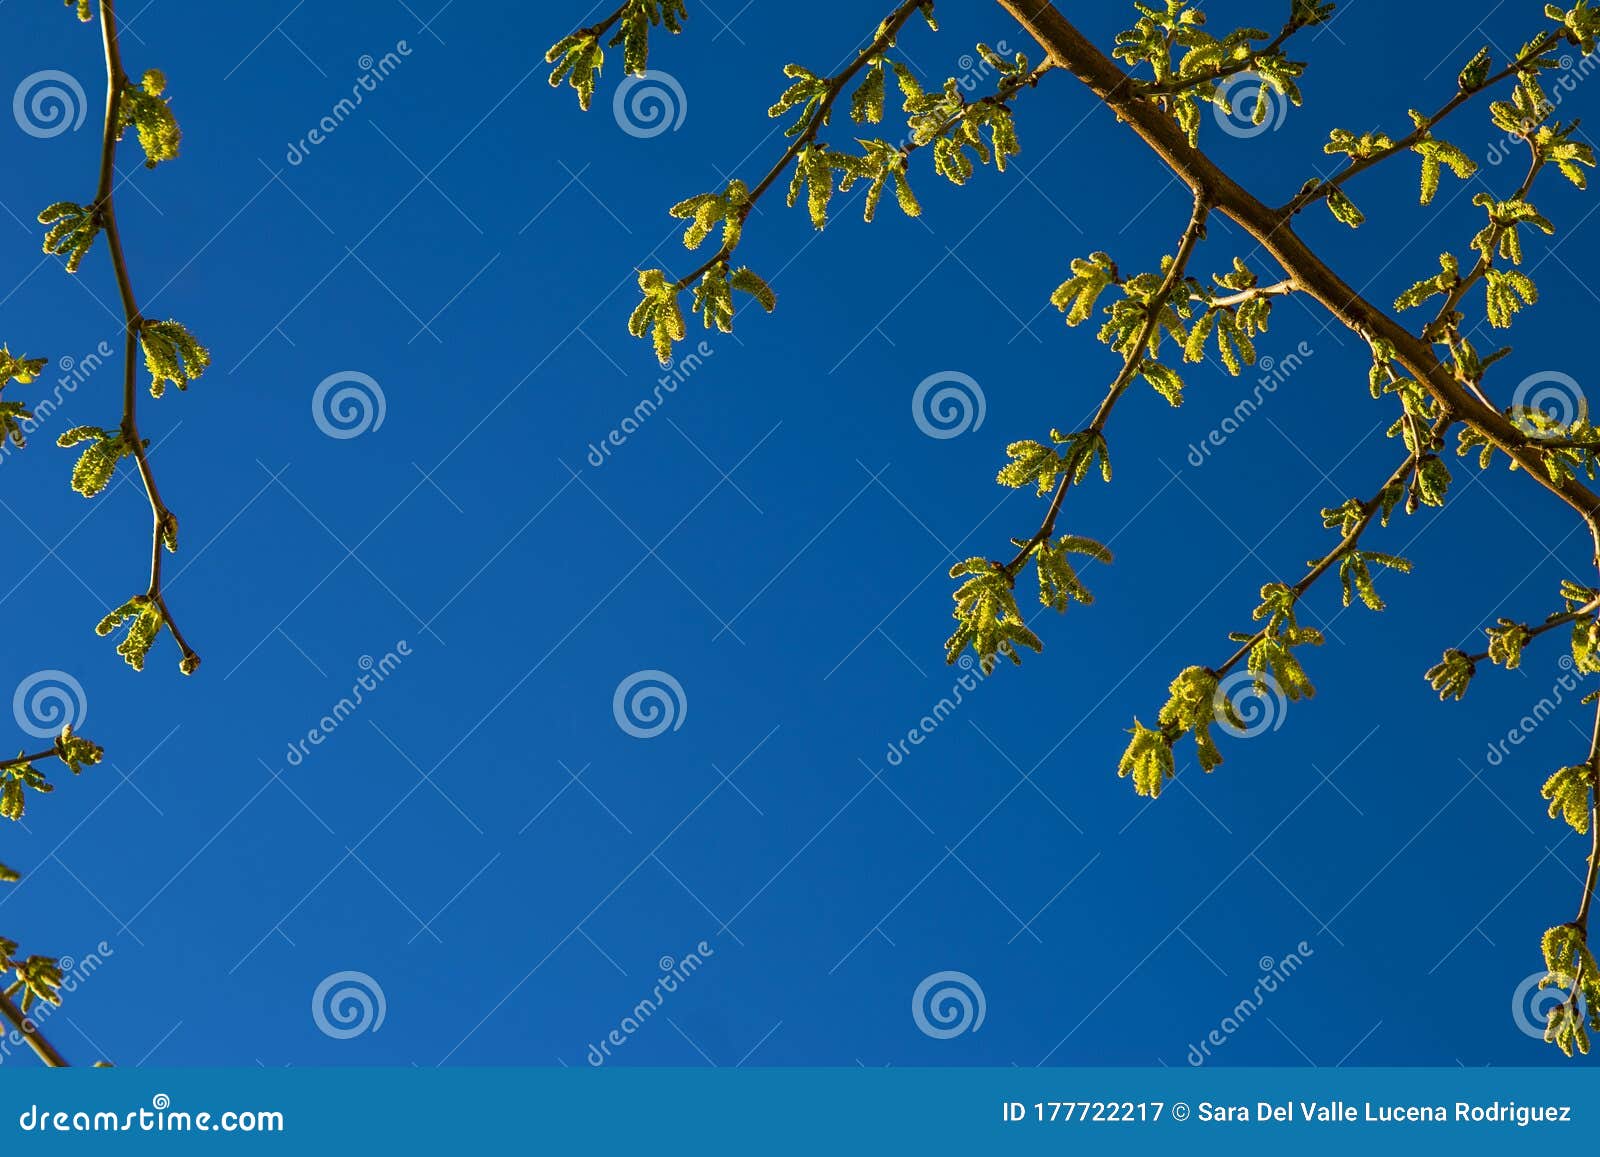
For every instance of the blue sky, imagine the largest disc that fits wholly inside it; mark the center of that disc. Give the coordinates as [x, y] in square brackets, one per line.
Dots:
[482, 839]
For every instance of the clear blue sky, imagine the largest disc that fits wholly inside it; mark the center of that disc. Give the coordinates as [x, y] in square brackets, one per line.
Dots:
[775, 538]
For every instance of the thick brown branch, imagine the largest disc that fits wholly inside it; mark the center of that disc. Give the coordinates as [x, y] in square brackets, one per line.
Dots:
[1271, 228]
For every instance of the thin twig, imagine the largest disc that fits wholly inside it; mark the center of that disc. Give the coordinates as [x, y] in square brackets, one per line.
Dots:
[1369, 511]
[1137, 353]
[1540, 46]
[162, 517]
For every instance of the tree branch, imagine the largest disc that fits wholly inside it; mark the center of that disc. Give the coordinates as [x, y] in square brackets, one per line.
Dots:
[1317, 192]
[164, 522]
[1222, 71]
[1271, 228]
[30, 1033]
[1192, 234]
[887, 31]
[1369, 511]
